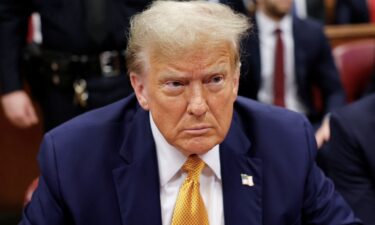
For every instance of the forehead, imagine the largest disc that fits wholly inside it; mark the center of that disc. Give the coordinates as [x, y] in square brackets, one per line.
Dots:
[202, 59]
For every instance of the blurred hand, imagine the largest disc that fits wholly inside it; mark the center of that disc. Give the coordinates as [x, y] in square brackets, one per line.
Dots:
[18, 109]
[322, 135]
[30, 191]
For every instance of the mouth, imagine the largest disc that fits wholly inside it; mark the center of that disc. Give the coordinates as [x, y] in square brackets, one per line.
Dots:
[198, 130]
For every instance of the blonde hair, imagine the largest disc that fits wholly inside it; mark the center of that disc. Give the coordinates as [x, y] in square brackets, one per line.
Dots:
[169, 29]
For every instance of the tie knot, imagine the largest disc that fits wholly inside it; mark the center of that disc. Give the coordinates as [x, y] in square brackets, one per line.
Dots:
[278, 31]
[193, 166]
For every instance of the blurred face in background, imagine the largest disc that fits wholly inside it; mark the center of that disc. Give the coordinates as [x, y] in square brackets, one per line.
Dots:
[190, 97]
[275, 9]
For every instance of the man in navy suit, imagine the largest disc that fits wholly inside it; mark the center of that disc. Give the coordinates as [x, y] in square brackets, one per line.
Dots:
[350, 156]
[123, 164]
[308, 63]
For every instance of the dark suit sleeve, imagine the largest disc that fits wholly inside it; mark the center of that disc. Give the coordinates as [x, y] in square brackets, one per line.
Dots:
[322, 204]
[46, 206]
[328, 78]
[13, 28]
[347, 168]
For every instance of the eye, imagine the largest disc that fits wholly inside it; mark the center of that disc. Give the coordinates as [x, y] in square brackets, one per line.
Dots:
[173, 87]
[216, 79]
[174, 84]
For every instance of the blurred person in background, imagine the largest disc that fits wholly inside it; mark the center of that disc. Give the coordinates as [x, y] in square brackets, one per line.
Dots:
[285, 58]
[350, 156]
[80, 64]
[354, 11]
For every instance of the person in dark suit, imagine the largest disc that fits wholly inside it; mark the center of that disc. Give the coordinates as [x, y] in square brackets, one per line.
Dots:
[351, 12]
[308, 66]
[350, 156]
[184, 127]
[80, 66]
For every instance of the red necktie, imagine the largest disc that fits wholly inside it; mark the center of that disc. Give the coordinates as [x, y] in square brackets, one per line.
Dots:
[279, 77]
[30, 30]
[371, 8]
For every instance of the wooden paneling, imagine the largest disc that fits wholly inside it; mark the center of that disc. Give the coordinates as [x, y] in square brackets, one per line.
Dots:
[339, 34]
[329, 7]
[18, 165]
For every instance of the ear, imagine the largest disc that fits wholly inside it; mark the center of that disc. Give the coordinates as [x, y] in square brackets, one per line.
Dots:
[139, 85]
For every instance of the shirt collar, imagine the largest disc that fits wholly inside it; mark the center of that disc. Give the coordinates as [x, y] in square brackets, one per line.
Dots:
[267, 26]
[170, 159]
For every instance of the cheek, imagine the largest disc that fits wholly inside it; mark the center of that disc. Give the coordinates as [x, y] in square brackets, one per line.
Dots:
[165, 124]
[167, 114]
[230, 95]
[170, 108]
[222, 108]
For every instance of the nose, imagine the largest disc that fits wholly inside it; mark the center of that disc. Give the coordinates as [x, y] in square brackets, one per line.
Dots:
[197, 103]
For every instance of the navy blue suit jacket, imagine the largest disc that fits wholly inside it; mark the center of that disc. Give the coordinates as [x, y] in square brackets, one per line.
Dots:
[314, 67]
[350, 156]
[101, 168]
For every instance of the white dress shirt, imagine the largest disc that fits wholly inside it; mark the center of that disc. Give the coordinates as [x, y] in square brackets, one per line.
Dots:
[267, 39]
[36, 28]
[170, 161]
[301, 8]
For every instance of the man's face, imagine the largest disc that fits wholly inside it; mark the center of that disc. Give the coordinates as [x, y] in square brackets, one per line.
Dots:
[277, 8]
[190, 98]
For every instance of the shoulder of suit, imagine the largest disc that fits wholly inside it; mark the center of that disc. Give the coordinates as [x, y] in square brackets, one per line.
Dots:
[362, 110]
[308, 23]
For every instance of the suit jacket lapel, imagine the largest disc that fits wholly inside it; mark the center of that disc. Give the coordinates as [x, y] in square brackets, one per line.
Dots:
[242, 203]
[137, 179]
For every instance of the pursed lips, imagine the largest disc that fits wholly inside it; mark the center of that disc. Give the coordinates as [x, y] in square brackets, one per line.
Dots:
[198, 129]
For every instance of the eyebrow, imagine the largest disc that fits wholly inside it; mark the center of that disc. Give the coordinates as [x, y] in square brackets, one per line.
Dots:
[218, 68]
[171, 73]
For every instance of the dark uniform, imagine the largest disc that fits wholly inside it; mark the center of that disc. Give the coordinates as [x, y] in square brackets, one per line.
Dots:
[80, 64]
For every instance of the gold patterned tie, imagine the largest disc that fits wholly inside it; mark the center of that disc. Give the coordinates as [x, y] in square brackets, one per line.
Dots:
[190, 209]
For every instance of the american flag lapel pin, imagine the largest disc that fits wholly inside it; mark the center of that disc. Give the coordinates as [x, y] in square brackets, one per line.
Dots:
[247, 180]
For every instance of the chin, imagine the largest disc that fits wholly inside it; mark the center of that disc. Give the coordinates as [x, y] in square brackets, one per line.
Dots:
[199, 147]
